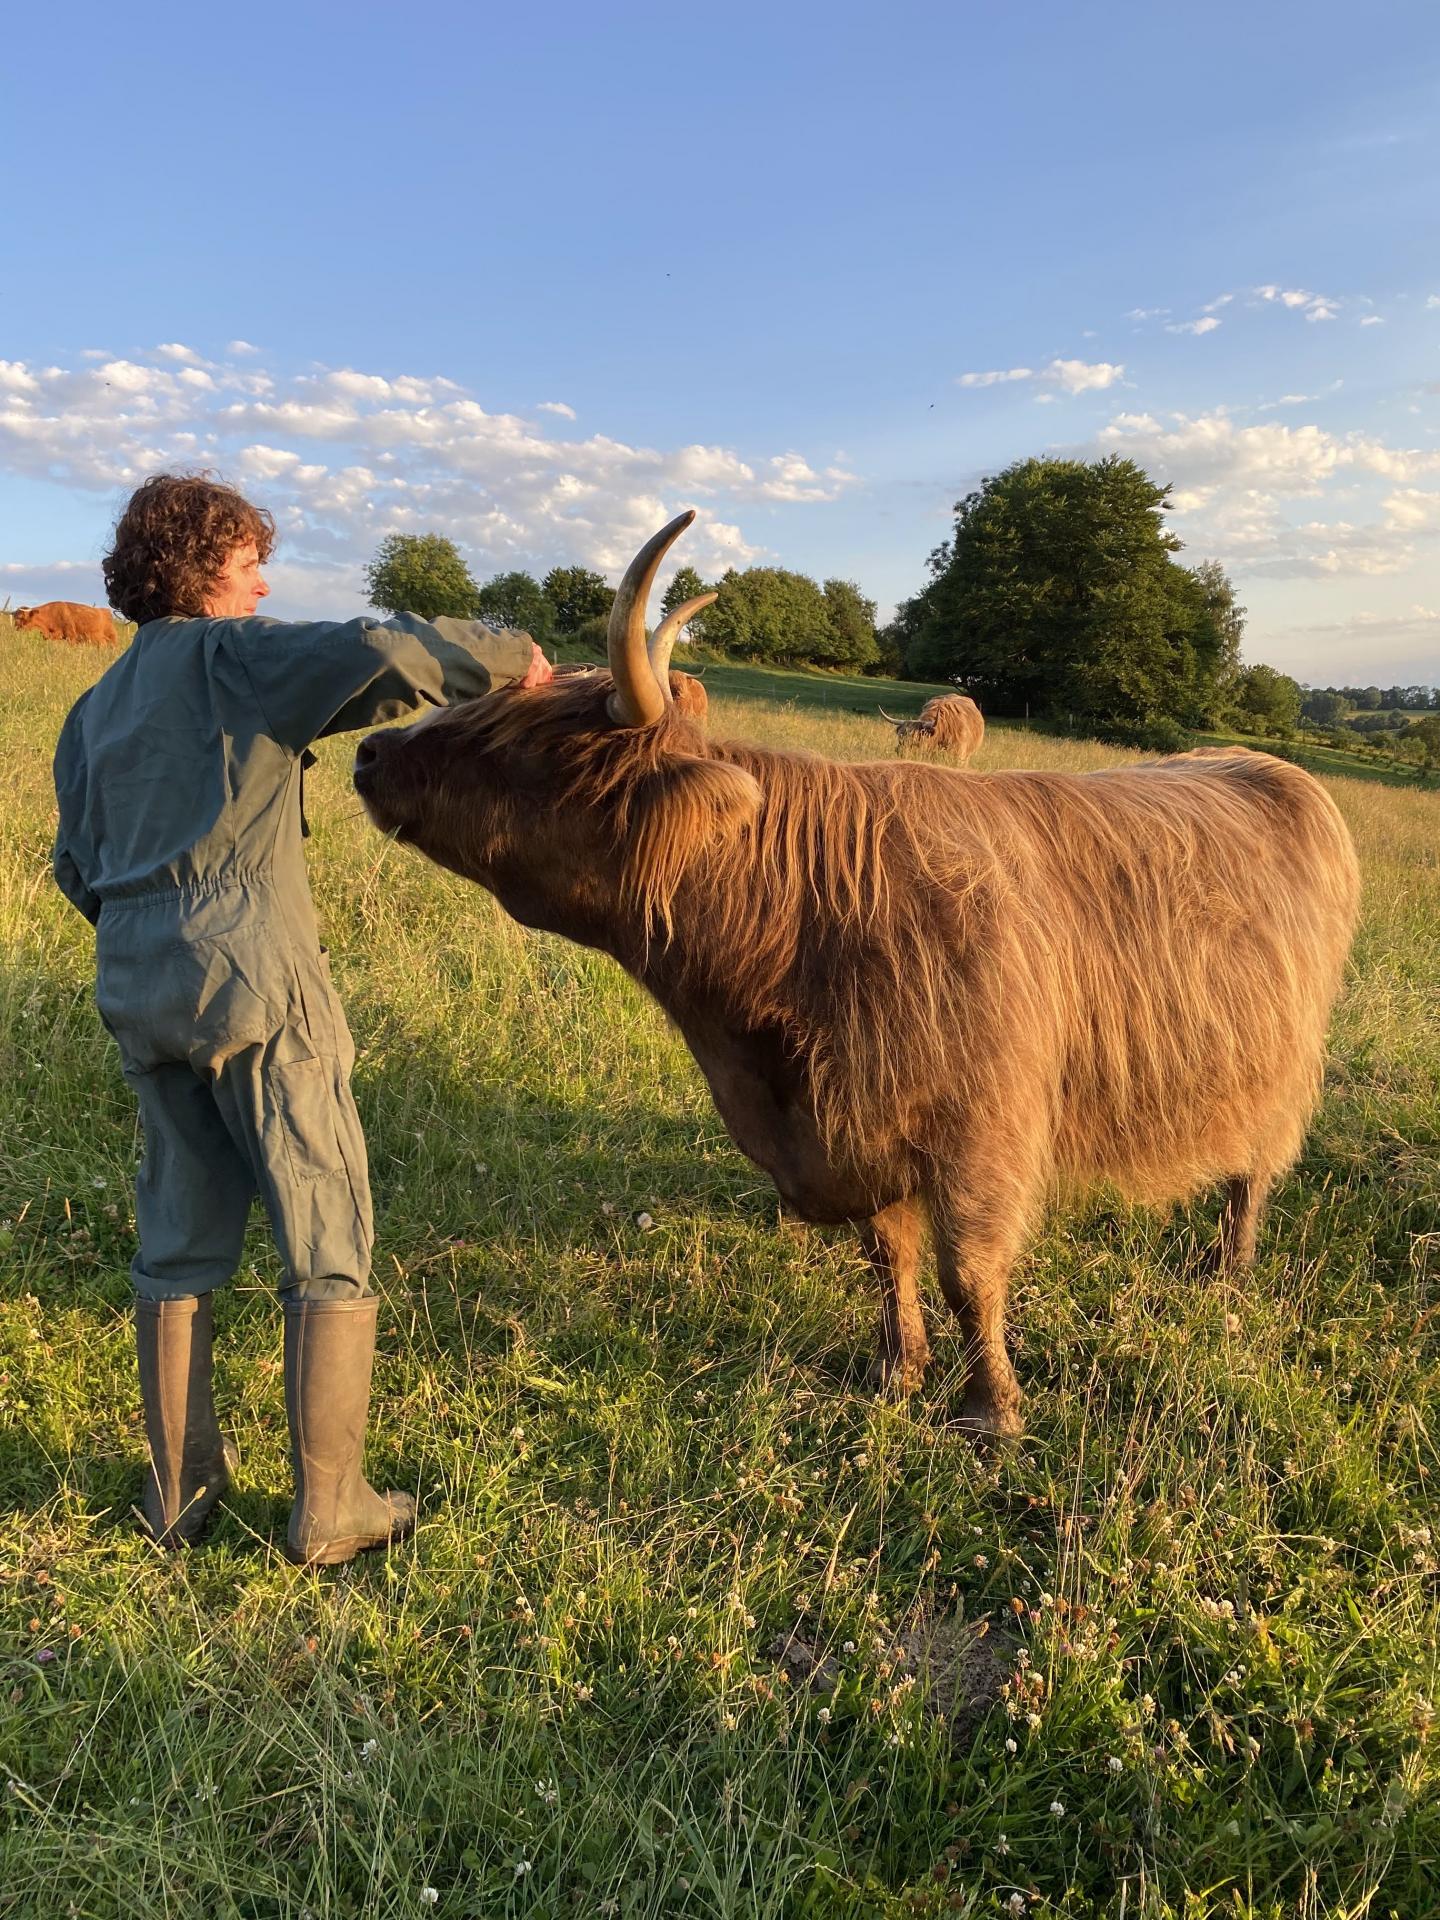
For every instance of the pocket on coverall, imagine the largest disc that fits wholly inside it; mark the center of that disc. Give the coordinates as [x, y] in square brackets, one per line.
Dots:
[304, 1096]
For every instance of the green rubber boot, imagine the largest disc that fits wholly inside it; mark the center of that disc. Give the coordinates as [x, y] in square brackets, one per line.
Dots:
[190, 1461]
[329, 1349]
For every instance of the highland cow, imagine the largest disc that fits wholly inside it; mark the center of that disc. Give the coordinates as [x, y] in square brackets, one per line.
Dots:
[951, 723]
[70, 623]
[917, 992]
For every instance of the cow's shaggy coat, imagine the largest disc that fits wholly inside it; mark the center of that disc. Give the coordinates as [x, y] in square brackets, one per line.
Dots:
[951, 724]
[915, 989]
[67, 621]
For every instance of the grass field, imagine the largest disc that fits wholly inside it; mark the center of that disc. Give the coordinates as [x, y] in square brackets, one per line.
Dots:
[694, 1624]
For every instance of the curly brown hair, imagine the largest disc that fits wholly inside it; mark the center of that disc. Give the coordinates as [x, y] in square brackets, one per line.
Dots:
[172, 543]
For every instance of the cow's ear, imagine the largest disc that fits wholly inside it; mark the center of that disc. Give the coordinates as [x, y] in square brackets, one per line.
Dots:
[687, 804]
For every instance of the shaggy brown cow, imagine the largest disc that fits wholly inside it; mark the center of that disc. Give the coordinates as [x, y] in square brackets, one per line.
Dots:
[916, 991]
[70, 623]
[950, 723]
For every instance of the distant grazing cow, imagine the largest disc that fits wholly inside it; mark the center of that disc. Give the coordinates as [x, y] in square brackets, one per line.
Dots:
[70, 623]
[915, 990]
[951, 723]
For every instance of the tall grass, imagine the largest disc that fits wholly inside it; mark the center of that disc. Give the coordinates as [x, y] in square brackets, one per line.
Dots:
[693, 1624]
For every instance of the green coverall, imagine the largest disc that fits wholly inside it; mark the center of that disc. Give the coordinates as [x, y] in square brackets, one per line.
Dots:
[179, 779]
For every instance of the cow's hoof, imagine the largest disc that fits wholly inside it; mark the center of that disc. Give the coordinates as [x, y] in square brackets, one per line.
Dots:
[897, 1378]
[985, 1421]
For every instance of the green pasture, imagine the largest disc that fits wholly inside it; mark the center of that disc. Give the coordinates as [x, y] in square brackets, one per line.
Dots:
[695, 1624]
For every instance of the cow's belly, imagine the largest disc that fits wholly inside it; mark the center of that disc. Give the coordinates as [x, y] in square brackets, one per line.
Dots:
[762, 1095]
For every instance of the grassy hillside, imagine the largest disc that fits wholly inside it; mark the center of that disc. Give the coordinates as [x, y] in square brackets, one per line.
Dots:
[694, 1624]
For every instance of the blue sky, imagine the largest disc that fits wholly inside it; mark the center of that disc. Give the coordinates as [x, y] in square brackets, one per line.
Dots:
[538, 278]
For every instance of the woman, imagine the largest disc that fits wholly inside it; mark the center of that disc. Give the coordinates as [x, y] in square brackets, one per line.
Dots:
[180, 785]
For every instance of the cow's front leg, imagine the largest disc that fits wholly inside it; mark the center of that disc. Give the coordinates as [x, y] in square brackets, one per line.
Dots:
[891, 1240]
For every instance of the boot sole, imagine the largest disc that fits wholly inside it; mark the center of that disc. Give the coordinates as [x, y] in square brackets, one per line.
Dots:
[339, 1551]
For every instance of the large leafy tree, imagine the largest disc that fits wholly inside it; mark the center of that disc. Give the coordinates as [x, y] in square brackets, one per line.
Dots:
[420, 573]
[1057, 593]
[576, 595]
[516, 600]
[686, 585]
[769, 613]
[1266, 701]
[852, 625]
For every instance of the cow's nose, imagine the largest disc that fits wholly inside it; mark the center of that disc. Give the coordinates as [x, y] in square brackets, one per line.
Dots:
[367, 750]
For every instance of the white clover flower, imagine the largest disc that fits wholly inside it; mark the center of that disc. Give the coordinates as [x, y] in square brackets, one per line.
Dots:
[429, 1896]
[849, 1647]
[1057, 1807]
[1047, 1599]
[1012, 1746]
[981, 1560]
[823, 1716]
[1032, 1719]
[369, 1749]
[522, 1867]
[1002, 1845]
[1016, 1904]
[1115, 1763]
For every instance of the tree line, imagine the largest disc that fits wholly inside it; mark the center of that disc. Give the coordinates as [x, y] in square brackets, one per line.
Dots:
[1057, 596]
[767, 614]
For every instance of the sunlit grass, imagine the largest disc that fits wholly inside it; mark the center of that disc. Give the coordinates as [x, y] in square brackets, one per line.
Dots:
[653, 1483]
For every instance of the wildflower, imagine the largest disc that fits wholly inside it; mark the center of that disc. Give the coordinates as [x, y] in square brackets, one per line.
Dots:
[1115, 1763]
[749, 1619]
[1011, 1746]
[644, 1222]
[45, 1656]
[849, 1647]
[522, 1867]
[1032, 1719]
[584, 1693]
[981, 1560]
[1047, 1599]
[1002, 1845]
[1057, 1807]
[1016, 1904]
[1232, 1323]
[369, 1749]
[429, 1896]
[546, 1791]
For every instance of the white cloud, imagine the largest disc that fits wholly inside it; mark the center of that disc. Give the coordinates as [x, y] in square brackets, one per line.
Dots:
[1432, 302]
[16, 377]
[1214, 306]
[174, 351]
[995, 379]
[1372, 320]
[1207, 325]
[241, 347]
[1314, 306]
[556, 406]
[1075, 376]
[1412, 509]
[1147, 313]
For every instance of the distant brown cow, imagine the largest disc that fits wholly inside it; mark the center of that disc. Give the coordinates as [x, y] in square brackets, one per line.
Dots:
[951, 723]
[916, 991]
[70, 623]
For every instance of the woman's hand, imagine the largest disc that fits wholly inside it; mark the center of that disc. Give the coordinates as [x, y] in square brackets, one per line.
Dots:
[539, 669]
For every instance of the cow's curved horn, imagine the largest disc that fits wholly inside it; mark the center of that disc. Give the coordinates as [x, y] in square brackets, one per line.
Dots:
[662, 641]
[638, 699]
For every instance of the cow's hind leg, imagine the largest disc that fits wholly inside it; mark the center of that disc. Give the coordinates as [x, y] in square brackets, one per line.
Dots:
[974, 1251]
[1245, 1197]
[892, 1245]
